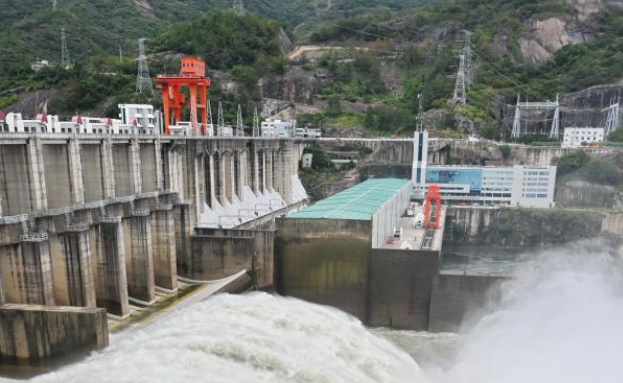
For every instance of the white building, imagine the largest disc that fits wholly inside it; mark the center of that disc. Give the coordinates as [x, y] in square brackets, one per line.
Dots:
[577, 137]
[308, 133]
[273, 128]
[141, 116]
[514, 186]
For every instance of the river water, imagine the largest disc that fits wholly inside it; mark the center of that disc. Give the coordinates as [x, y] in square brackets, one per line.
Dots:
[560, 320]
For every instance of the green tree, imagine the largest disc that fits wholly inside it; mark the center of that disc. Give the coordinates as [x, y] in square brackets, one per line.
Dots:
[570, 162]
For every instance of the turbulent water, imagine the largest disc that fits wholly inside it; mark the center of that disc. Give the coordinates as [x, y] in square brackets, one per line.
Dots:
[561, 320]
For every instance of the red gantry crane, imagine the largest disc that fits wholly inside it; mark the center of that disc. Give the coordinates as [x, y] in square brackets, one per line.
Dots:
[192, 76]
[432, 195]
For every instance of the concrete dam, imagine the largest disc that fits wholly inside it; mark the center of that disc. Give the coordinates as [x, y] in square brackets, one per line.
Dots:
[103, 222]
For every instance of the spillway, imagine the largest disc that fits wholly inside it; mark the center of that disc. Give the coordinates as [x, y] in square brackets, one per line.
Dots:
[559, 321]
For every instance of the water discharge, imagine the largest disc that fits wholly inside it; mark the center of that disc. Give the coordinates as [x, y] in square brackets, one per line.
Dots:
[560, 320]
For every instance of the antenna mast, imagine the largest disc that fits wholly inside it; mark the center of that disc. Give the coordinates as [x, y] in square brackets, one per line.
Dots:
[143, 79]
[65, 59]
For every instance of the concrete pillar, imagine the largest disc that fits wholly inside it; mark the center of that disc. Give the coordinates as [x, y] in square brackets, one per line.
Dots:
[108, 169]
[75, 172]
[27, 272]
[264, 186]
[139, 260]
[159, 169]
[268, 170]
[72, 267]
[164, 248]
[286, 171]
[199, 180]
[212, 186]
[36, 174]
[242, 175]
[232, 176]
[183, 230]
[135, 166]
[226, 168]
[256, 172]
[111, 284]
[2, 297]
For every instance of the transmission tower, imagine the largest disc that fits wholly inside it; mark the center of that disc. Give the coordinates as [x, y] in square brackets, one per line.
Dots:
[256, 123]
[143, 79]
[459, 97]
[65, 59]
[420, 115]
[612, 122]
[210, 120]
[220, 122]
[238, 7]
[467, 52]
[542, 106]
[239, 123]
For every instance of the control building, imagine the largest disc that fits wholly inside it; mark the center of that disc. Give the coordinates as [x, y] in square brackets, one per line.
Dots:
[513, 186]
[575, 137]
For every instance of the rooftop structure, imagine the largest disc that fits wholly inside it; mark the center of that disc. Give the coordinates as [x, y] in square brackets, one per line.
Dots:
[357, 203]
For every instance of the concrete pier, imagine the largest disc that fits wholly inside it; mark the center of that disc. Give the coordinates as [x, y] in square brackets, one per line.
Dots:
[111, 287]
[164, 248]
[72, 266]
[139, 259]
[30, 333]
[27, 272]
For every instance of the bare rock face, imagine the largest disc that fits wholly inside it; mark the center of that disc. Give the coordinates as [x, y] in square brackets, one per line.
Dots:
[145, 8]
[586, 8]
[533, 52]
[551, 34]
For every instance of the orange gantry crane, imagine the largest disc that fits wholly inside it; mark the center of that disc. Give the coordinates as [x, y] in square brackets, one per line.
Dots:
[432, 195]
[193, 76]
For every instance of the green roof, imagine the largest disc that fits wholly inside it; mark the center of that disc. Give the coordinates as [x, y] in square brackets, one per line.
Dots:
[357, 203]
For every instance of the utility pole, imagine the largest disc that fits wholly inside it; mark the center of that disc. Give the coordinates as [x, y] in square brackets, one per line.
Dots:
[65, 59]
[143, 79]
[239, 123]
[120, 55]
[238, 7]
[256, 123]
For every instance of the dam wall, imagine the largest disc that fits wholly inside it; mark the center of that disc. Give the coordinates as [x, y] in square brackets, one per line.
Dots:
[531, 228]
[30, 333]
[458, 300]
[100, 221]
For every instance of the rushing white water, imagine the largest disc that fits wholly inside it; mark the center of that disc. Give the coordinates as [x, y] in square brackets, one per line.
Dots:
[560, 321]
[250, 338]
